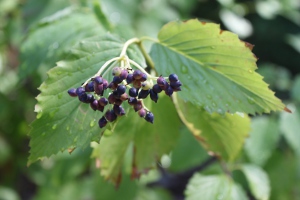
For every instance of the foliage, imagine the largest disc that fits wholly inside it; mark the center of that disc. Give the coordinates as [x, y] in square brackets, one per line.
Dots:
[211, 118]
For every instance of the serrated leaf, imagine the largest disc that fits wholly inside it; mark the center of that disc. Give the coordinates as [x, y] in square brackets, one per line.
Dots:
[223, 135]
[258, 181]
[213, 187]
[62, 121]
[52, 40]
[150, 141]
[217, 70]
[289, 126]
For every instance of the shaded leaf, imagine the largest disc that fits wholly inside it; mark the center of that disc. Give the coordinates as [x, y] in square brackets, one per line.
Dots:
[62, 121]
[258, 181]
[223, 135]
[213, 187]
[263, 138]
[217, 70]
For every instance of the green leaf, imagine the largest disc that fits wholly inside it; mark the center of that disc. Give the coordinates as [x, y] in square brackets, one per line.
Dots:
[52, 40]
[222, 135]
[263, 138]
[62, 121]
[146, 142]
[213, 187]
[289, 125]
[295, 91]
[217, 70]
[258, 181]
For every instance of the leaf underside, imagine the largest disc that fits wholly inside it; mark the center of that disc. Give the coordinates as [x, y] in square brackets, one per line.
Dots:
[217, 70]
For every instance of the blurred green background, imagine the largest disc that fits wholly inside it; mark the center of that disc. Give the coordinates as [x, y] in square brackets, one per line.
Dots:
[273, 26]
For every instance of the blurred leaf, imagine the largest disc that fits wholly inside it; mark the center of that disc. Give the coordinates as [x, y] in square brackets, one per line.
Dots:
[263, 138]
[216, 63]
[258, 181]
[295, 91]
[52, 40]
[64, 122]
[150, 141]
[213, 187]
[187, 152]
[8, 194]
[290, 126]
[224, 135]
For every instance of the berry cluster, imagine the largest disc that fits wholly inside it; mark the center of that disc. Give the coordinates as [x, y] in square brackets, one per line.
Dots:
[140, 87]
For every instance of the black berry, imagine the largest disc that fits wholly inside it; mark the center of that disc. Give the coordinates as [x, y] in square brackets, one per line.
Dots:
[102, 122]
[149, 117]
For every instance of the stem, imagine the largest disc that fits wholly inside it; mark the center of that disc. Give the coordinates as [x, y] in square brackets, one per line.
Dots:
[140, 68]
[149, 61]
[129, 42]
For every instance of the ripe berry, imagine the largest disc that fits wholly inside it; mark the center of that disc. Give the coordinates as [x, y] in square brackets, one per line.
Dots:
[124, 97]
[102, 122]
[110, 115]
[169, 91]
[161, 81]
[100, 108]
[142, 112]
[112, 86]
[153, 96]
[175, 84]
[99, 89]
[165, 86]
[129, 78]
[132, 101]
[111, 99]
[149, 117]
[133, 92]
[124, 74]
[116, 71]
[117, 80]
[90, 98]
[137, 74]
[137, 106]
[94, 105]
[83, 97]
[72, 92]
[105, 84]
[103, 101]
[98, 80]
[119, 110]
[143, 94]
[156, 88]
[173, 78]
[80, 91]
[118, 102]
[121, 89]
[144, 77]
[89, 87]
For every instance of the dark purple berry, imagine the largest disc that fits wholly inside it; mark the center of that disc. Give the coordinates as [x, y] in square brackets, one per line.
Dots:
[144, 77]
[117, 80]
[83, 97]
[119, 110]
[80, 91]
[177, 89]
[156, 88]
[137, 74]
[90, 98]
[102, 122]
[99, 89]
[129, 78]
[105, 84]
[89, 87]
[116, 71]
[111, 99]
[133, 92]
[132, 101]
[103, 101]
[116, 94]
[165, 86]
[94, 105]
[153, 96]
[118, 102]
[100, 108]
[143, 94]
[112, 86]
[169, 91]
[175, 84]
[98, 80]
[149, 117]
[142, 112]
[72, 92]
[110, 115]
[161, 81]
[173, 78]
[124, 74]
[121, 89]
[137, 106]
[124, 97]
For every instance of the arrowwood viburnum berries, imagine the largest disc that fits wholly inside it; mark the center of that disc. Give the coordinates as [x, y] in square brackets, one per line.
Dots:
[140, 85]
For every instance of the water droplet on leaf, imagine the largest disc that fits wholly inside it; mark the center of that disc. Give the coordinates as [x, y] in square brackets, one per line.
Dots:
[251, 100]
[39, 115]
[54, 126]
[92, 123]
[250, 71]
[60, 95]
[184, 69]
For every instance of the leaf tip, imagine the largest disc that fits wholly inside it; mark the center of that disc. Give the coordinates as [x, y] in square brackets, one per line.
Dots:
[249, 46]
[287, 110]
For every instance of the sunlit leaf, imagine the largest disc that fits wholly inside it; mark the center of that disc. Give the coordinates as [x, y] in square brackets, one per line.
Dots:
[217, 70]
[223, 135]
